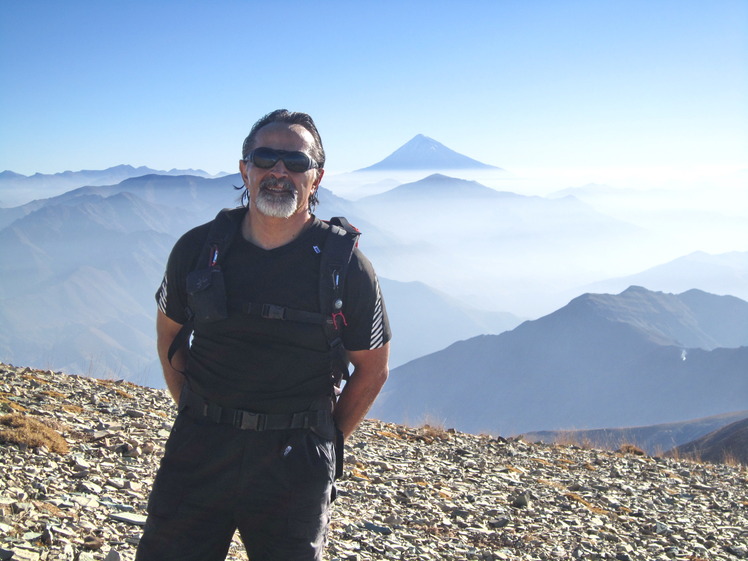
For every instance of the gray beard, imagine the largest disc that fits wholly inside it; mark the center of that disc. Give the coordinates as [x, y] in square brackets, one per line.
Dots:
[277, 204]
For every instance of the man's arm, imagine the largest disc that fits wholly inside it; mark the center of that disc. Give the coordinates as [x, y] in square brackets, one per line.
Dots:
[370, 372]
[166, 330]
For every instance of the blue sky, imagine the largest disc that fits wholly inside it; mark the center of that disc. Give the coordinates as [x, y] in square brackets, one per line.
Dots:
[514, 83]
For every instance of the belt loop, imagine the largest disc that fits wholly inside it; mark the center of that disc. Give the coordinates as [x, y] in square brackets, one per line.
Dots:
[213, 412]
[300, 420]
[184, 396]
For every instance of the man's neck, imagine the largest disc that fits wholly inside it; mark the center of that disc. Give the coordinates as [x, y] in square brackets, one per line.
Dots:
[269, 232]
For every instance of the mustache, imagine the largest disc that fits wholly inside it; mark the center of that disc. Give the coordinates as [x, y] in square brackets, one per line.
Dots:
[275, 183]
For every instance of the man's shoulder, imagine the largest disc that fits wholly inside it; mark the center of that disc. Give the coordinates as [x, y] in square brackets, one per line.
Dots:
[195, 237]
[360, 262]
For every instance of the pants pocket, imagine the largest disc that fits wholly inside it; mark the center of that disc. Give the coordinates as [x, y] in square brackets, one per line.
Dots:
[165, 498]
[339, 453]
[309, 465]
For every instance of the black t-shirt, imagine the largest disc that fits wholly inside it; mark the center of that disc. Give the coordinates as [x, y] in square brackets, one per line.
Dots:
[271, 365]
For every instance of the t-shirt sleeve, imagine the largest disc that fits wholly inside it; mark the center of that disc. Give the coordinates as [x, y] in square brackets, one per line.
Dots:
[171, 296]
[366, 317]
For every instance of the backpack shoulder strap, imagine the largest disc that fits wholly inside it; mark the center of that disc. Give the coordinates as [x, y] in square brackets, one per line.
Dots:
[342, 239]
[222, 231]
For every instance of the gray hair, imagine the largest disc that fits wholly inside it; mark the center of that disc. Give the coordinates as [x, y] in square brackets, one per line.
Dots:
[291, 118]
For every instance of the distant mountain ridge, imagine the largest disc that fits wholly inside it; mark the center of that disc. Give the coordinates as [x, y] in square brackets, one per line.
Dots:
[636, 358]
[438, 185]
[94, 177]
[16, 189]
[432, 320]
[728, 444]
[654, 439]
[725, 273]
[693, 319]
[424, 153]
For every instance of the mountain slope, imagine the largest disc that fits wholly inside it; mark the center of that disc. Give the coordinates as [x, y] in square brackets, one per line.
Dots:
[79, 288]
[17, 189]
[424, 153]
[424, 320]
[600, 361]
[654, 439]
[80, 277]
[201, 198]
[436, 185]
[725, 273]
[728, 444]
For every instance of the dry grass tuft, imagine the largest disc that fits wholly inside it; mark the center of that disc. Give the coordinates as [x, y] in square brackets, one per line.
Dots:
[631, 449]
[54, 394]
[389, 434]
[24, 431]
[33, 378]
[123, 393]
[550, 483]
[51, 509]
[10, 405]
[430, 433]
[592, 508]
[70, 408]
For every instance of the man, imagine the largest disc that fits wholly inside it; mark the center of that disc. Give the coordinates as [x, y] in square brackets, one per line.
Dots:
[253, 445]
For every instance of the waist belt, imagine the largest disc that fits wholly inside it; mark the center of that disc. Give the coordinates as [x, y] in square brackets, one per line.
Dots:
[197, 406]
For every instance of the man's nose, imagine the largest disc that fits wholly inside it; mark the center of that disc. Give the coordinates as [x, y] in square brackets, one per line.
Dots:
[279, 168]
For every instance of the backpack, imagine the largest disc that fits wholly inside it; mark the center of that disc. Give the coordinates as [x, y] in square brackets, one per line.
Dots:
[207, 294]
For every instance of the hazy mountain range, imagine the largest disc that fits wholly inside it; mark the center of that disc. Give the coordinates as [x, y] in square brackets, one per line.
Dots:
[653, 439]
[637, 358]
[17, 189]
[426, 320]
[457, 259]
[722, 274]
[727, 444]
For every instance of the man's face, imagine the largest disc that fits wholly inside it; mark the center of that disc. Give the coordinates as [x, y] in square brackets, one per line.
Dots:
[277, 191]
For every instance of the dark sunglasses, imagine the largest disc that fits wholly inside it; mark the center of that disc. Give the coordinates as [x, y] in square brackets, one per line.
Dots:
[266, 158]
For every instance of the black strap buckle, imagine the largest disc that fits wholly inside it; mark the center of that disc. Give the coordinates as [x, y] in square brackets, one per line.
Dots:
[271, 311]
[246, 420]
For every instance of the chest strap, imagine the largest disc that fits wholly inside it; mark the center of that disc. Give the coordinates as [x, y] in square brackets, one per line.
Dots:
[271, 311]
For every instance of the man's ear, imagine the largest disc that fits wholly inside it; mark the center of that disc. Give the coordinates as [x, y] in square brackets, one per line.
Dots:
[320, 173]
[243, 171]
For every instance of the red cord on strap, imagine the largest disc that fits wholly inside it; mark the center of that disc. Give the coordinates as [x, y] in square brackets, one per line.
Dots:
[335, 321]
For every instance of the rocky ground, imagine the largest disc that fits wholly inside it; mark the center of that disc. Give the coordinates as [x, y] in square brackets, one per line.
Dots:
[410, 494]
